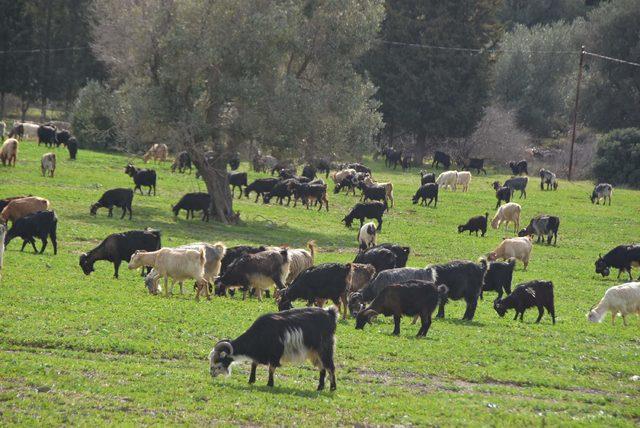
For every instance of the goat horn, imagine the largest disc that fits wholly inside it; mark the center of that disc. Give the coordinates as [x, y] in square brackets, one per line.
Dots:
[220, 346]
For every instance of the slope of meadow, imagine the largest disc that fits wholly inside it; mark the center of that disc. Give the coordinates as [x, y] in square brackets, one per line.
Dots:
[86, 350]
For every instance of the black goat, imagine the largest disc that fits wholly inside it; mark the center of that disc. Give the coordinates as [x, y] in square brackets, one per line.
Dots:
[309, 171]
[407, 160]
[402, 253]
[517, 183]
[519, 167]
[441, 158]
[62, 137]
[475, 224]
[427, 177]
[273, 339]
[46, 135]
[41, 224]
[234, 161]
[380, 258]
[192, 202]
[237, 179]
[502, 193]
[362, 211]
[283, 189]
[393, 157]
[464, 280]
[260, 186]
[427, 191]
[373, 192]
[182, 162]
[528, 295]
[498, 277]
[359, 168]
[322, 166]
[310, 193]
[119, 247]
[72, 147]
[349, 183]
[327, 281]
[142, 177]
[622, 257]
[472, 163]
[120, 198]
[413, 298]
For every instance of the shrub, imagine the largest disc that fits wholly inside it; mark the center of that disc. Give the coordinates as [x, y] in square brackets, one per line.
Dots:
[93, 118]
[618, 157]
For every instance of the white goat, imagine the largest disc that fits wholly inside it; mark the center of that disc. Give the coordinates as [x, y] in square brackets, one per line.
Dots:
[213, 260]
[447, 179]
[48, 164]
[367, 236]
[179, 265]
[299, 260]
[519, 248]
[507, 213]
[464, 179]
[621, 299]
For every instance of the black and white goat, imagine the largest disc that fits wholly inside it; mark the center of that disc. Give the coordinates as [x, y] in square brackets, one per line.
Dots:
[549, 178]
[541, 226]
[367, 236]
[273, 339]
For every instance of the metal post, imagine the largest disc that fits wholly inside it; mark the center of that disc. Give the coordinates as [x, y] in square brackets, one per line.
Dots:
[575, 112]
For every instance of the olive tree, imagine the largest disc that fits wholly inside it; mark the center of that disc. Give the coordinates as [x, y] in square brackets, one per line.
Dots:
[214, 74]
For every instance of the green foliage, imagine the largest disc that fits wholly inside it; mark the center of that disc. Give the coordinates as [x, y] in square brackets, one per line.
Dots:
[94, 116]
[529, 13]
[425, 91]
[618, 157]
[82, 350]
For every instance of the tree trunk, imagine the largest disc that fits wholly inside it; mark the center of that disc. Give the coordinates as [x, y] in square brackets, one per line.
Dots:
[421, 147]
[24, 108]
[44, 80]
[1, 105]
[217, 182]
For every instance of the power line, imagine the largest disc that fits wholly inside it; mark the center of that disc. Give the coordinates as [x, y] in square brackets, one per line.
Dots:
[19, 51]
[621, 61]
[472, 50]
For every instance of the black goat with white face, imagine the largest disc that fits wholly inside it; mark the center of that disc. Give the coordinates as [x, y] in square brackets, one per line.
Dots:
[287, 336]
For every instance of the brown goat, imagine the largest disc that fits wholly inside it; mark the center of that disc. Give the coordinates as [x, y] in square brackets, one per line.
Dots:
[19, 208]
[9, 152]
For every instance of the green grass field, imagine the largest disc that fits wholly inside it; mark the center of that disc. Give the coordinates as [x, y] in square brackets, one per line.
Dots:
[95, 350]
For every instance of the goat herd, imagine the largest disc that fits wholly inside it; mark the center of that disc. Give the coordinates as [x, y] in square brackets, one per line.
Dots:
[376, 282]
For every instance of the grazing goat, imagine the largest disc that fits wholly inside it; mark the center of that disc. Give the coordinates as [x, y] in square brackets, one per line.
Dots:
[18, 208]
[622, 257]
[472, 163]
[507, 213]
[373, 193]
[464, 179]
[47, 135]
[3, 233]
[339, 176]
[181, 163]
[475, 224]
[157, 152]
[349, 183]
[621, 299]
[9, 152]
[322, 166]
[543, 225]
[301, 259]
[464, 280]
[498, 277]
[441, 158]
[179, 265]
[413, 298]
[213, 254]
[519, 248]
[448, 180]
[41, 224]
[282, 189]
[309, 171]
[359, 168]
[427, 191]
[259, 271]
[602, 191]
[62, 137]
[517, 183]
[192, 202]
[427, 177]
[234, 253]
[502, 193]
[519, 167]
[327, 281]
[17, 131]
[284, 165]
[380, 258]
[289, 336]
[48, 164]
[119, 247]
[260, 186]
[367, 236]
[528, 295]
[121, 198]
[237, 179]
[142, 177]
[364, 210]
[72, 147]
[310, 193]
[548, 178]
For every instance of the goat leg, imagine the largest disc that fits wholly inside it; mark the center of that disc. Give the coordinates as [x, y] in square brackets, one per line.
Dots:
[252, 375]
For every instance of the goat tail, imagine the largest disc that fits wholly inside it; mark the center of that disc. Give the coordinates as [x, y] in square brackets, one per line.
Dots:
[433, 274]
[486, 215]
[334, 312]
[312, 249]
[483, 264]
[443, 291]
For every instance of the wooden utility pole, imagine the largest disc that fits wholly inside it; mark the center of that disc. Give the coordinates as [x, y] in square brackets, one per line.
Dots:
[575, 112]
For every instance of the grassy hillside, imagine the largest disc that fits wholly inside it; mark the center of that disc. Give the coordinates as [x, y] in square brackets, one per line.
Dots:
[93, 350]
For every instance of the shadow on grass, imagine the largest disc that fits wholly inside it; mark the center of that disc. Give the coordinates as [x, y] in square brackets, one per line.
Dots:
[289, 391]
